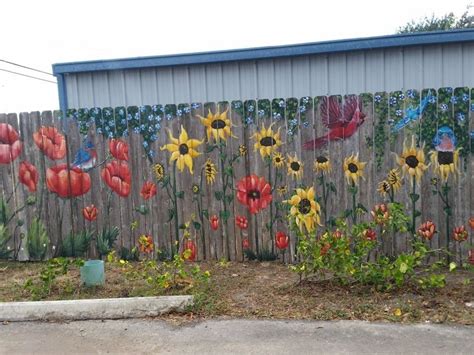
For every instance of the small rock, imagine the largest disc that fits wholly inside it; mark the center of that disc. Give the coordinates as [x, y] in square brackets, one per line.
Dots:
[235, 275]
[265, 264]
[470, 304]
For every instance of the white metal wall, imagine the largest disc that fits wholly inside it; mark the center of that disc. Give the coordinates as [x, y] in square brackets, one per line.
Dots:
[329, 74]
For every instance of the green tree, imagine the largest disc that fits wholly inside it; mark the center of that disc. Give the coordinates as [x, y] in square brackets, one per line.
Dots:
[443, 23]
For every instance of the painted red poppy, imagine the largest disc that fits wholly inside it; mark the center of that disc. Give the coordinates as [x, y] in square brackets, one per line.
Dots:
[471, 222]
[145, 243]
[28, 175]
[281, 240]
[10, 145]
[427, 230]
[116, 175]
[191, 246]
[119, 149]
[245, 243]
[66, 182]
[214, 221]
[148, 190]
[254, 192]
[50, 142]
[460, 234]
[369, 234]
[471, 256]
[90, 213]
[241, 222]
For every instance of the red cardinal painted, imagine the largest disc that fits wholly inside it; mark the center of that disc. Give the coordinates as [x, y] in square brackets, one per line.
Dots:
[342, 125]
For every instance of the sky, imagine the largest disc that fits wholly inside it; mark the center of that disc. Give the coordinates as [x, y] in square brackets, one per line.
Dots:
[39, 33]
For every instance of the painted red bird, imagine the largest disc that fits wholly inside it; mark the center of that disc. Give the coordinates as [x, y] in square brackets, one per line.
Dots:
[342, 124]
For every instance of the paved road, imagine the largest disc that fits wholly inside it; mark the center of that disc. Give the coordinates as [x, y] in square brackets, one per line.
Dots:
[233, 337]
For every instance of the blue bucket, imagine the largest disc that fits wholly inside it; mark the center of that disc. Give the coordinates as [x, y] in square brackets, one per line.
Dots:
[93, 273]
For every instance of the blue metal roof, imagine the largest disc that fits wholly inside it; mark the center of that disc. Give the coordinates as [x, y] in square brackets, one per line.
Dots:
[357, 44]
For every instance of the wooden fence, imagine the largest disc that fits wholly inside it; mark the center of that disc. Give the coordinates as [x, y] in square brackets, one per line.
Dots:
[299, 120]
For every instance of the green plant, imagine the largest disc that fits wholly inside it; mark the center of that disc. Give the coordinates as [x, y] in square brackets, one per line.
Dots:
[266, 255]
[76, 244]
[129, 254]
[106, 240]
[37, 240]
[40, 287]
[5, 251]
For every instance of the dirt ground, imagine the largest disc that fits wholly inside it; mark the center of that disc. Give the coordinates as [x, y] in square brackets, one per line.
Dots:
[270, 290]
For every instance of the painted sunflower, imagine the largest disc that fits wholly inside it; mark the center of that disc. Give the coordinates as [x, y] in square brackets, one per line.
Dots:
[159, 171]
[182, 150]
[322, 164]
[242, 150]
[445, 163]
[278, 160]
[267, 141]
[210, 171]
[394, 179]
[354, 169]
[305, 210]
[217, 125]
[295, 167]
[195, 189]
[384, 188]
[282, 190]
[412, 160]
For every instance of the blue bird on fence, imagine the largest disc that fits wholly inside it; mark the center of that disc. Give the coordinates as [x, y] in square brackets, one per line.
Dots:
[444, 140]
[86, 157]
[412, 114]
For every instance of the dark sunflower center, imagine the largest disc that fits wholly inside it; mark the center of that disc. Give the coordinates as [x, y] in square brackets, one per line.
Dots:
[411, 161]
[445, 158]
[321, 159]
[353, 168]
[386, 186]
[218, 124]
[277, 159]
[267, 141]
[183, 149]
[304, 206]
[295, 166]
[253, 194]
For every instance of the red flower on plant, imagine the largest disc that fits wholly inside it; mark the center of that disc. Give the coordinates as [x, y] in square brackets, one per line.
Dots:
[191, 246]
[148, 190]
[67, 182]
[369, 234]
[471, 222]
[145, 243]
[460, 234]
[427, 230]
[119, 149]
[325, 248]
[254, 192]
[116, 175]
[380, 214]
[281, 240]
[28, 175]
[245, 243]
[214, 221]
[50, 142]
[241, 222]
[10, 145]
[90, 213]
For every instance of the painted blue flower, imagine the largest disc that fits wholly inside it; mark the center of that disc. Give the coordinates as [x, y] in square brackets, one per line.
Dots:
[432, 99]
[390, 121]
[465, 97]
[471, 134]
[137, 116]
[195, 105]
[305, 100]
[306, 123]
[158, 118]
[449, 90]
[460, 117]
[236, 104]
[276, 115]
[157, 126]
[472, 107]
[377, 98]
[393, 100]
[150, 117]
[145, 144]
[261, 113]
[401, 96]
[96, 111]
[136, 129]
[110, 135]
[111, 123]
[121, 112]
[153, 137]
[454, 100]
[186, 109]
[443, 107]
[293, 122]
[282, 103]
[125, 133]
[123, 121]
[250, 108]
[99, 130]
[179, 112]
[411, 94]
[302, 108]
[249, 120]
[398, 113]
[168, 116]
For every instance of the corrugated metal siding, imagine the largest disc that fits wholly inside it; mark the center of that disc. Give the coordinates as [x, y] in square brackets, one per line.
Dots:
[340, 73]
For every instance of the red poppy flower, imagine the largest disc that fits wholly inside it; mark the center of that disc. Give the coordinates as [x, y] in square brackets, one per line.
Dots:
[28, 175]
[245, 243]
[119, 149]
[116, 174]
[90, 213]
[325, 248]
[281, 240]
[214, 220]
[10, 145]
[471, 222]
[66, 182]
[50, 142]
[460, 234]
[191, 246]
[148, 190]
[145, 243]
[380, 214]
[427, 230]
[471, 256]
[254, 192]
[369, 234]
[241, 222]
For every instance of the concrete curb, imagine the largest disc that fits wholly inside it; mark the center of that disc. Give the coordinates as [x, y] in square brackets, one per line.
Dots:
[109, 308]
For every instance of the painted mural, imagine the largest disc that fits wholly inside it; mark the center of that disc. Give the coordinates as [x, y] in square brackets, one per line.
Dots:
[238, 180]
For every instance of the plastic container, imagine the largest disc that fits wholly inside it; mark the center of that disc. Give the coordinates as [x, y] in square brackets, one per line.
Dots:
[93, 273]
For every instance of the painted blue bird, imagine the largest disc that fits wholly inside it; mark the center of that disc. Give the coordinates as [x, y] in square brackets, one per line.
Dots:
[86, 157]
[444, 140]
[412, 114]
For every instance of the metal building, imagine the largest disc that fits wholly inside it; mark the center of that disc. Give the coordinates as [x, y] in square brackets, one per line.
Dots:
[388, 63]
